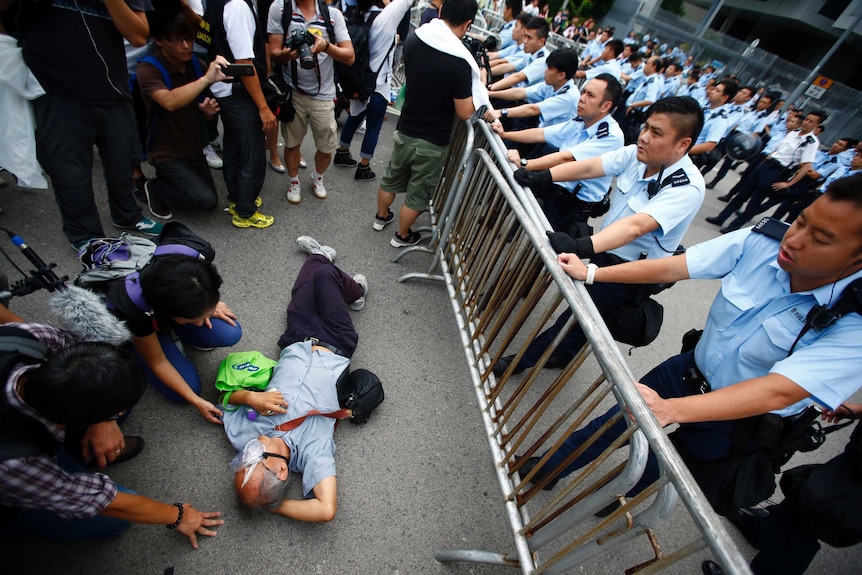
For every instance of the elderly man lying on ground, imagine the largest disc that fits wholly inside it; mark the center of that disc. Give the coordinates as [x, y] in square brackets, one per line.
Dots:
[293, 433]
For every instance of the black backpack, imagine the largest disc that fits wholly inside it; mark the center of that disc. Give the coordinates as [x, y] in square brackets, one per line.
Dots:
[360, 391]
[358, 80]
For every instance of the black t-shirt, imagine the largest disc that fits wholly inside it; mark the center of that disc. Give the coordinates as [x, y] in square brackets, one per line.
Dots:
[434, 80]
[70, 58]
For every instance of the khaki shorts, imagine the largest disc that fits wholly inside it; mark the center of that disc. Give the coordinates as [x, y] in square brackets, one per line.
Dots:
[415, 168]
[320, 114]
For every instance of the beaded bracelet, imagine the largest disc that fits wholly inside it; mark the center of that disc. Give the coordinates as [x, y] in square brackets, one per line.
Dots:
[176, 523]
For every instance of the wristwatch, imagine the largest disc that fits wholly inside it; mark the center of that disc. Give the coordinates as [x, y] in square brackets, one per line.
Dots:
[523, 162]
[504, 112]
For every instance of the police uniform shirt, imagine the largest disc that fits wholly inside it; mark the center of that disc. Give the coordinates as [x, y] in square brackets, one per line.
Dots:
[752, 122]
[795, 149]
[612, 68]
[636, 78]
[845, 157]
[673, 207]
[840, 172]
[826, 164]
[646, 91]
[512, 50]
[555, 106]
[627, 69]
[714, 125]
[584, 143]
[735, 112]
[704, 79]
[776, 134]
[537, 56]
[671, 86]
[755, 319]
[535, 69]
[505, 34]
[593, 50]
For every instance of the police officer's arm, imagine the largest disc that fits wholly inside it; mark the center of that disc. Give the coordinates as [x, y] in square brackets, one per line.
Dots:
[154, 356]
[843, 411]
[132, 24]
[800, 173]
[548, 160]
[139, 509]
[508, 81]
[744, 399]
[511, 94]
[658, 270]
[321, 508]
[503, 68]
[581, 170]
[528, 136]
[701, 148]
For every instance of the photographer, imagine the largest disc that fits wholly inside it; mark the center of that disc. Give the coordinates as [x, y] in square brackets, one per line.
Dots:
[381, 48]
[306, 38]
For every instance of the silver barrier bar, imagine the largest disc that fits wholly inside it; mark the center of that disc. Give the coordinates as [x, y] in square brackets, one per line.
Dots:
[491, 248]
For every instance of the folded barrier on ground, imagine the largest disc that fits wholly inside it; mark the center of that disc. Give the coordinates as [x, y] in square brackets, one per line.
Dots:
[490, 249]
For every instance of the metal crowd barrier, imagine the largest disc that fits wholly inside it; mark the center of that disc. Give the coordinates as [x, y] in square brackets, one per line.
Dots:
[490, 249]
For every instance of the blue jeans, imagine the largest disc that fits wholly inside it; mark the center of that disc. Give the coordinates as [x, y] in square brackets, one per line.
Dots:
[373, 115]
[709, 441]
[244, 151]
[42, 524]
[222, 334]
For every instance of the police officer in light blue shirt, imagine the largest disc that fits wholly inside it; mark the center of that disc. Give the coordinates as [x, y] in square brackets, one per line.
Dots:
[714, 124]
[554, 100]
[658, 193]
[759, 352]
[511, 10]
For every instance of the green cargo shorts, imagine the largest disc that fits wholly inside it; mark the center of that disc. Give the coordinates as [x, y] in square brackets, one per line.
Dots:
[414, 169]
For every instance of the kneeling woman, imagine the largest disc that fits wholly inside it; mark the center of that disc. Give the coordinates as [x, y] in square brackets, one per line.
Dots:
[175, 295]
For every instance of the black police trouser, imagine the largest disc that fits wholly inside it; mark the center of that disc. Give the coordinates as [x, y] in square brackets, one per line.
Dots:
[763, 199]
[761, 179]
[753, 164]
[563, 208]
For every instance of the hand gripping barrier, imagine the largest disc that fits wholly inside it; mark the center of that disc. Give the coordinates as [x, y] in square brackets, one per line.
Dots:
[490, 249]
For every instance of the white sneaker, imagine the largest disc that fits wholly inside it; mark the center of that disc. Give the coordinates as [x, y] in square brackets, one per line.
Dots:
[213, 159]
[363, 283]
[317, 187]
[311, 246]
[294, 192]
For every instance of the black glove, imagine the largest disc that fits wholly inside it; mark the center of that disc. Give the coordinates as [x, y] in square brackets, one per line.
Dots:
[563, 243]
[540, 182]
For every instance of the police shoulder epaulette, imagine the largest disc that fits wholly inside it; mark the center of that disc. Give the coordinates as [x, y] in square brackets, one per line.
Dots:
[809, 140]
[564, 89]
[604, 130]
[678, 178]
[771, 227]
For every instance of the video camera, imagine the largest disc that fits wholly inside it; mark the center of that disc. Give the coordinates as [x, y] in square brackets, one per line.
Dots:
[301, 40]
[479, 49]
[41, 277]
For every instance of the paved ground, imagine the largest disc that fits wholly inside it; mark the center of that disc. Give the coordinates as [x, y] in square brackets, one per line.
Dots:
[416, 478]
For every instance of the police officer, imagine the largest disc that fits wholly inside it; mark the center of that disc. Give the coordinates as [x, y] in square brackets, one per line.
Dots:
[592, 133]
[752, 122]
[715, 121]
[658, 193]
[757, 353]
[642, 98]
[784, 167]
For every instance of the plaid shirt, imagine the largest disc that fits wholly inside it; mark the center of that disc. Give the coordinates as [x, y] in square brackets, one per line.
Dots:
[38, 482]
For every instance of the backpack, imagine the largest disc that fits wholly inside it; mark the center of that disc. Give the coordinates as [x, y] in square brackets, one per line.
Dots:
[108, 259]
[155, 109]
[358, 80]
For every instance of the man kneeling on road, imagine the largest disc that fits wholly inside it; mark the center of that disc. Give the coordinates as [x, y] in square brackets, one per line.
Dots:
[317, 346]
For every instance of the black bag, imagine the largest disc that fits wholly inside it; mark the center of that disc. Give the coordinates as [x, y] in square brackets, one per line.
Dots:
[279, 97]
[361, 391]
[636, 325]
[826, 498]
[359, 80]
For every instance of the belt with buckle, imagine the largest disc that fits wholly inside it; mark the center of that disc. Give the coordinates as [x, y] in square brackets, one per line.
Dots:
[329, 346]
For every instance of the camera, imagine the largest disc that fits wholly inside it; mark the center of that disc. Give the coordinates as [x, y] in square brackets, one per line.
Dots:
[301, 40]
[479, 49]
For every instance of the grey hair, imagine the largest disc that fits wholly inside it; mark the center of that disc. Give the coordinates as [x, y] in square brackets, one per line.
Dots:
[272, 491]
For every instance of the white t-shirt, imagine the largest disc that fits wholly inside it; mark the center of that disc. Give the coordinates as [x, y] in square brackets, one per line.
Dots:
[239, 27]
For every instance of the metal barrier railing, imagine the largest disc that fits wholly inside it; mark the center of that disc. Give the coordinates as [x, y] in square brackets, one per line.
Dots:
[490, 249]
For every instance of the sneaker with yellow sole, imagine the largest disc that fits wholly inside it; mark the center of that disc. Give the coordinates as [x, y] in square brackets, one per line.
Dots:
[256, 220]
[231, 209]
